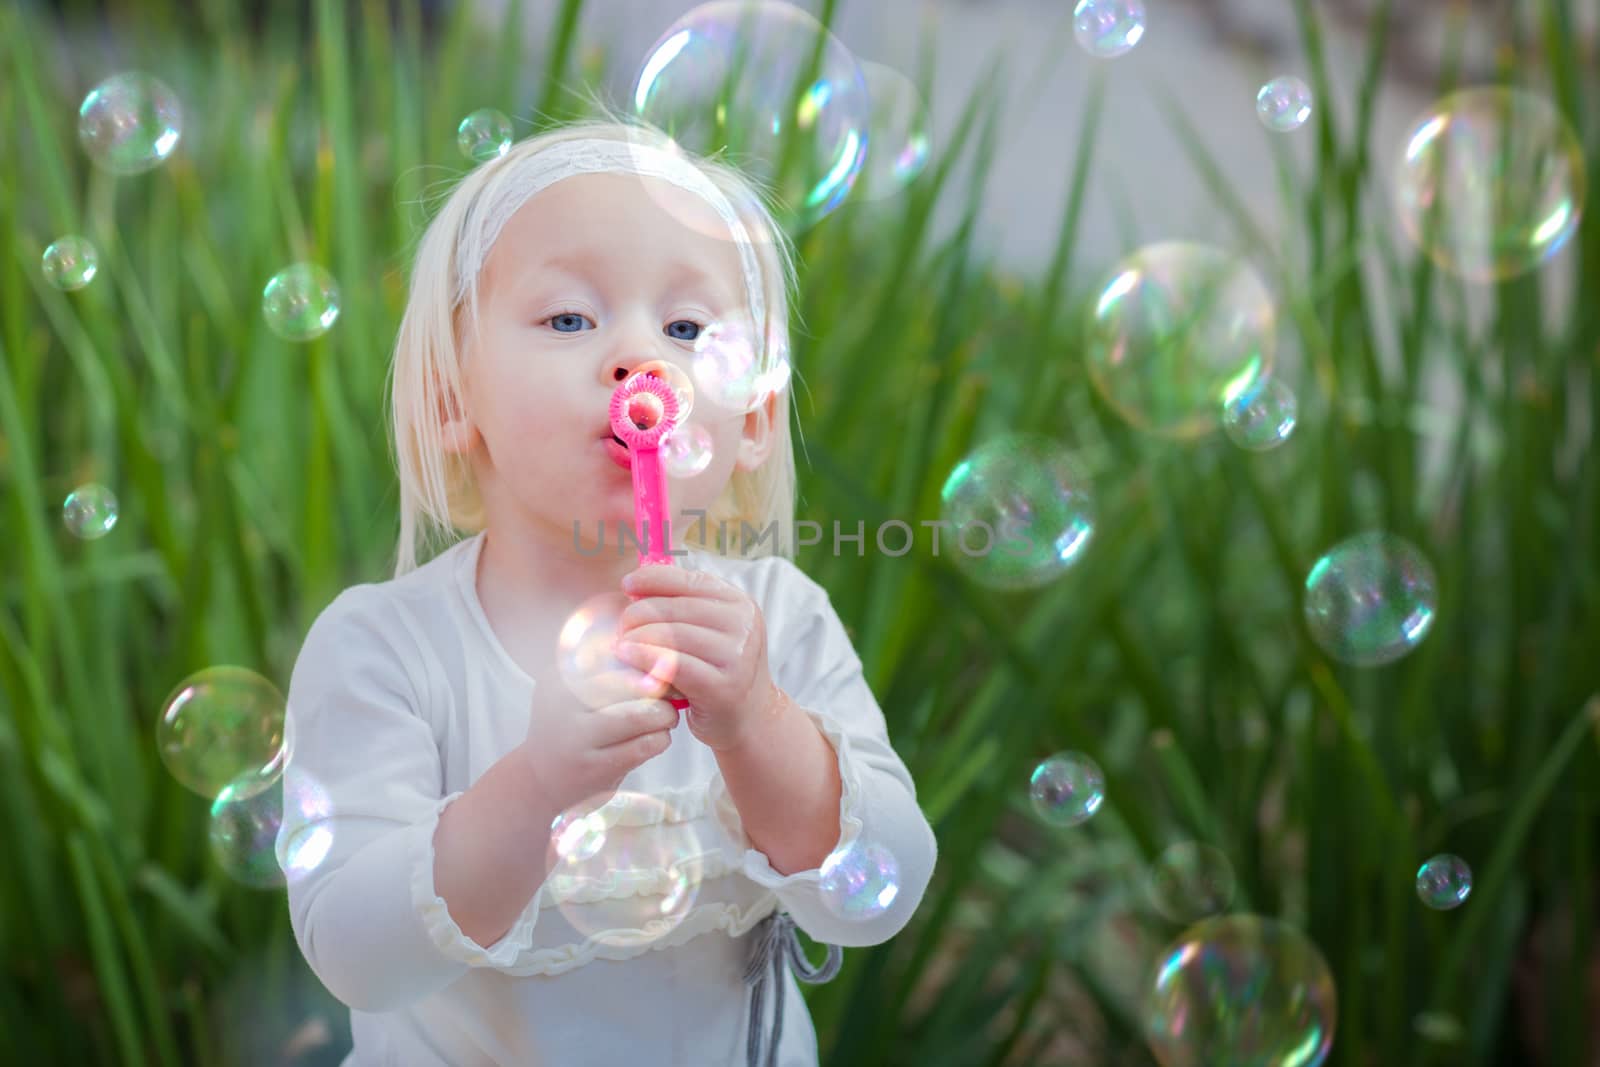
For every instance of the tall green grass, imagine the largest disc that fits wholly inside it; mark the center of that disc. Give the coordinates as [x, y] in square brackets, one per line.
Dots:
[254, 484]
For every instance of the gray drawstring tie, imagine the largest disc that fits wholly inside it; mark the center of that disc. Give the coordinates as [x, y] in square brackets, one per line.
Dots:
[771, 936]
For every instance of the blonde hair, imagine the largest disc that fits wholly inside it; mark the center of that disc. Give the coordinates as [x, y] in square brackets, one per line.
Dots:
[439, 497]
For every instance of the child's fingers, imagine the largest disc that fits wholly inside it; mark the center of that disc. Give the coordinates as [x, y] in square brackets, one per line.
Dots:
[618, 724]
[637, 647]
[656, 580]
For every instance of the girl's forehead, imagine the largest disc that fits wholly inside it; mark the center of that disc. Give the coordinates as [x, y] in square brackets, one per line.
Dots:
[587, 215]
[641, 199]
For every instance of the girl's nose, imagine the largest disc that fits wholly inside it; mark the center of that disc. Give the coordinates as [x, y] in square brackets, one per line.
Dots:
[633, 345]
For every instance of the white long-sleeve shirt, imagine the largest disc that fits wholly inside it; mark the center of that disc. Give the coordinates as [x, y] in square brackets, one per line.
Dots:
[402, 696]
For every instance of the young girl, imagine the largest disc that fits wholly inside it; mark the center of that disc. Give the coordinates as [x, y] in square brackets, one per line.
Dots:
[430, 713]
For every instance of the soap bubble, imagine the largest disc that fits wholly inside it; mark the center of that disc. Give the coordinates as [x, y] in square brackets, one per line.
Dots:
[1370, 599]
[1179, 330]
[224, 728]
[1019, 510]
[589, 666]
[244, 830]
[686, 451]
[635, 873]
[579, 832]
[70, 263]
[677, 380]
[130, 123]
[737, 76]
[1444, 882]
[1190, 881]
[897, 145]
[300, 302]
[90, 511]
[727, 367]
[1108, 28]
[1284, 104]
[1067, 789]
[1492, 183]
[1262, 417]
[484, 135]
[1240, 989]
[308, 811]
[859, 881]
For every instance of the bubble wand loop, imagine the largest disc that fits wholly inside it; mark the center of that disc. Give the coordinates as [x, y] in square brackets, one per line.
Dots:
[644, 409]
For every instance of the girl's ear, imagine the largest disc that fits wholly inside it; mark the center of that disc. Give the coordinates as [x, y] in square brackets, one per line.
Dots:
[457, 432]
[758, 439]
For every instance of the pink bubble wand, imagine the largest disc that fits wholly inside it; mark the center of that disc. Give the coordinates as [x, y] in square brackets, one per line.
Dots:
[644, 409]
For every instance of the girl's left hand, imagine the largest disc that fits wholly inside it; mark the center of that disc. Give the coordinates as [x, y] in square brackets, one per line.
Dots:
[708, 639]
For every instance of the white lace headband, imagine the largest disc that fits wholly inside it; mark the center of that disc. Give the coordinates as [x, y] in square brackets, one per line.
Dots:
[566, 158]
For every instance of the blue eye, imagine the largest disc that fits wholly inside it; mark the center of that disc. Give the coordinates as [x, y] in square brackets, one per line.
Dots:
[573, 322]
[570, 318]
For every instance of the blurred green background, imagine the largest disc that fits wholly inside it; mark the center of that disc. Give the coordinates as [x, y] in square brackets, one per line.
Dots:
[254, 484]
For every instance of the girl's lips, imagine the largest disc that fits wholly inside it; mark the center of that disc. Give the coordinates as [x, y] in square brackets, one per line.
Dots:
[618, 452]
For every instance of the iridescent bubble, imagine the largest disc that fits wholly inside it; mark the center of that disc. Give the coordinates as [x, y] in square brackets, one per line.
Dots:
[1240, 989]
[641, 879]
[1108, 28]
[484, 135]
[578, 833]
[589, 666]
[897, 142]
[224, 728]
[300, 302]
[1179, 330]
[1370, 599]
[859, 881]
[245, 825]
[70, 263]
[1067, 789]
[90, 511]
[1284, 104]
[1444, 882]
[1492, 183]
[677, 380]
[686, 451]
[1262, 417]
[1019, 510]
[309, 811]
[737, 76]
[1190, 881]
[130, 123]
[727, 366]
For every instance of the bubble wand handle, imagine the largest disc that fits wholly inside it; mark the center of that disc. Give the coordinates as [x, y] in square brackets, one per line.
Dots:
[644, 409]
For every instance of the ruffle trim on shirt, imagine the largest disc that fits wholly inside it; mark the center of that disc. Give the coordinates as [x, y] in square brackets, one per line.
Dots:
[514, 954]
[580, 888]
[658, 934]
[446, 935]
[754, 863]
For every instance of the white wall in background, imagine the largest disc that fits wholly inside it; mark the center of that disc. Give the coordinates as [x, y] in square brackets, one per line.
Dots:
[1141, 174]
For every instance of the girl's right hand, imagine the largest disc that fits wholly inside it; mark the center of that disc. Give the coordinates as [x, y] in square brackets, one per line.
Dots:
[578, 755]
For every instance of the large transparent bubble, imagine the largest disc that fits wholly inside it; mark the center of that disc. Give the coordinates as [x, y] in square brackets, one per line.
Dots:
[224, 728]
[1180, 330]
[1240, 989]
[1371, 599]
[130, 123]
[588, 662]
[625, 870]
[743, 77]
[1491, 183]
[1019, 510]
